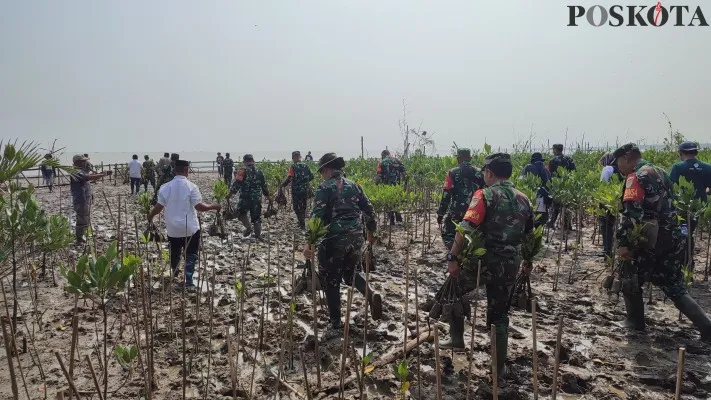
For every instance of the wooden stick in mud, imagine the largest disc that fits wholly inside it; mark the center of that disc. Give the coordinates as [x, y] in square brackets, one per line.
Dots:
[306, 377]
[346, 327]
[534, 324]
[94, 379]
[355, 361]
[438, 369]
[680, 373]
[494, 367]
[286, 385]
[10, 356]
[317, 351]
[66, 375]
[75, 334]
[407, 298]
[231, 359]
[291, 300]
[557, 359]
[368, 255]
[417, 332]
[474, 312]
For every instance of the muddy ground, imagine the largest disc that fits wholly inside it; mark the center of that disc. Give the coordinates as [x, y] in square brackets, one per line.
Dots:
[598, 359]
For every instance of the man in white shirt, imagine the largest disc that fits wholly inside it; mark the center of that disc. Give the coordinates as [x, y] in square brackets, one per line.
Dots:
[181, 200]
[134, 172]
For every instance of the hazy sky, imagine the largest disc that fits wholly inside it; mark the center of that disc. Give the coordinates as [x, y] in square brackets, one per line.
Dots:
[276, 75]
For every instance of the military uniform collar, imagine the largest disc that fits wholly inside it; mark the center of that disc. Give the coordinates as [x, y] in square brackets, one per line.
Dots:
[503, 183]
[465, 163]
[641, 164]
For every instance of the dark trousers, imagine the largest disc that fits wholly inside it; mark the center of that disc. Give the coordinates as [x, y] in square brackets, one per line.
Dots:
[567, 218]
[136, 182]
[152, 181]
[191, 246]
[220, 171]
[298, 200]
[395, 216]
[227, 176]
[607, 229]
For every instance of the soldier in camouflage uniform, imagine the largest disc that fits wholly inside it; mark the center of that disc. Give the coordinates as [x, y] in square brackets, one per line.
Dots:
[149, 173]
[339, 203]
[459, 185]
[559, 160]
[504, 216]
[228, 167]
[251, 185]
[300, 177]
[390, 172]
[166, 173]
[649, 200]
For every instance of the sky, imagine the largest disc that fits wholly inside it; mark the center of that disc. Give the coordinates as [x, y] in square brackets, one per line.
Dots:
[241, 76]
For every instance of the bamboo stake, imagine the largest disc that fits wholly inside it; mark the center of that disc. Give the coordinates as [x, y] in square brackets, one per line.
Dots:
[474, 312]
[66, 375]
[557, 359]
[534, 324]
[680, 372]
[494, 367]
[291, 300]
[306, 378]
[407, 299]
[317, 351]
[75, 334]
[94, 379]
[345, 334]
[11, 365]
[438, 370]
[231, 357]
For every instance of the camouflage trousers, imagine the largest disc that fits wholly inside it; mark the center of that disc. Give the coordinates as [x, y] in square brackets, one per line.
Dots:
[338, 258]
[663, 270]
[449, 231]
[298, 201]
[252, 206]
[498, 276]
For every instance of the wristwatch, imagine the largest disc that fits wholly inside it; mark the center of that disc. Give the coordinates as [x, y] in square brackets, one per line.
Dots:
[451, 257]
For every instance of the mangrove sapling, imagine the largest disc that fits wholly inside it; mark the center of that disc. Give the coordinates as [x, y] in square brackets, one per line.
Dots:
[316, 230]
[401, 372]
[95, 279]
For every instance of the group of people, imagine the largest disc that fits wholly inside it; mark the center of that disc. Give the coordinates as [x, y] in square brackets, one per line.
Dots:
[148, 172]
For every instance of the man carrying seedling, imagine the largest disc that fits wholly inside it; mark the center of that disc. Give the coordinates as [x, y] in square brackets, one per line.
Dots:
[390, 172]
[649, 240]
[696, 172]
[181, 200]
[559, 160]
[543, 198]
[459, 185]
[300, 177]
[228, 167]
[339, 203]
[80, 186]
[251, 185]
[504, 216]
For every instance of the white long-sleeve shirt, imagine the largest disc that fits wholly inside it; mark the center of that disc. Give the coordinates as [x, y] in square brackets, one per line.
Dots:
[134, 169]
[179, 198]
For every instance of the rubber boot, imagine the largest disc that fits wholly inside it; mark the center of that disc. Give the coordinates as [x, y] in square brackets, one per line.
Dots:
[375, 301]
[333, 301]
[79, 233]
[634, 306]
[456, 335]
[301, 220]
[502, 348]
[244, 219]
[258, 229]
[688, 306]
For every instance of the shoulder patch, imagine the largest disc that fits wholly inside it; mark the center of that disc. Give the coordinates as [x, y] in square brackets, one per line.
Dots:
[633, 190]
[477, 208]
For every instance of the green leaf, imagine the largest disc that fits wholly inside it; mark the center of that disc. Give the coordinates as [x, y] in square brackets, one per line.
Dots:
[112, 251]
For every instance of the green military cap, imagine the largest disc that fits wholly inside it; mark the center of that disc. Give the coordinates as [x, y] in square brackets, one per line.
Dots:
[558, 146]
[295, 154]
[248, 158]
[464, 152]
[498, 158]
[624, 150]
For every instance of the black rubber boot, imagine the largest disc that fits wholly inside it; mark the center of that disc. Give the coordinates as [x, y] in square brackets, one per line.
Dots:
[688, 306]
[301, 220]
[258, 230]
[502, 348]
[456, 335]
[333, 301]
[79, 233]
[634, 306]
[244, 219]
[375, 301]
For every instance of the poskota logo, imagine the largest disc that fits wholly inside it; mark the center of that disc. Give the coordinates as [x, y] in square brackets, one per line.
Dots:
[639, 15]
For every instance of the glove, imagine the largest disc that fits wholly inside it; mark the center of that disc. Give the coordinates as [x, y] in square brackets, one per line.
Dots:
[439, 219]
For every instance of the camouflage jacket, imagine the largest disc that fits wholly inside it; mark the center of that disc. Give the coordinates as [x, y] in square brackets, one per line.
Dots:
[340, 202]
[504, 216]
[390, 171]
[561, 161]
[299, 176]
[459, 185]
[228, 165]
[250, 183]
[149, 169]
[649, 195]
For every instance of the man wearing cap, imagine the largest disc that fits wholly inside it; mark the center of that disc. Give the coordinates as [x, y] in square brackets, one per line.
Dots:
[149, 173]
[560, 160]
[648, 201]
[181, 200]
[309, 157]
[340, 203]
[459, 185]
[390, 171]
[504, 216]
[300, 177]
[251, 185]
[543, 198]
[228, 167]
[80, 187]
[219, 160]
[88, 166]
[696, 172]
